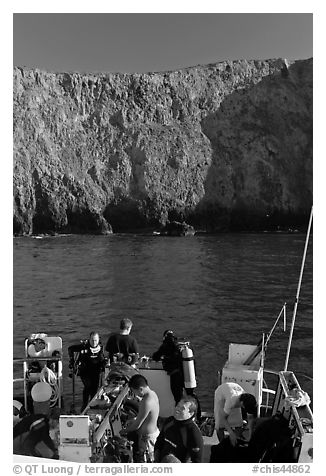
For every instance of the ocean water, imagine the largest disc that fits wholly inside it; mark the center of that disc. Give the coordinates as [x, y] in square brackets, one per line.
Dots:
[210, 289]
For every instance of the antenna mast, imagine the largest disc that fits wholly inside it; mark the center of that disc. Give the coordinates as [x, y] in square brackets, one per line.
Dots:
[298, 293]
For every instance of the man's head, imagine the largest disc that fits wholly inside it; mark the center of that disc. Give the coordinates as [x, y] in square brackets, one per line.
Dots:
[168, 335]
[94, 339]
[125, 325]
[248, 403]
[138, 385]
[167, 332]
[185, 409]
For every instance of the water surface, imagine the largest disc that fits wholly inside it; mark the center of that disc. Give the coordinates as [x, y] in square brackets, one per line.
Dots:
[212, 290]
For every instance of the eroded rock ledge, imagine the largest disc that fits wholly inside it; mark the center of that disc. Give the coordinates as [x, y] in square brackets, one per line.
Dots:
[226, 146]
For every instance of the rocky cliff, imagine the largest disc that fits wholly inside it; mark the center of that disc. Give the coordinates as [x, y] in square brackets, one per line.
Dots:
[227, 146]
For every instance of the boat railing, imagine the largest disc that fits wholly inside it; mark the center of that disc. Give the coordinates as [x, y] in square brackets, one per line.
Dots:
[270, 381]
[294, 404]
[29, 377]
[111, 424]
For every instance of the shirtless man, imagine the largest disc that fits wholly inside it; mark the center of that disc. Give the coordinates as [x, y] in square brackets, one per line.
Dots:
[230, 398]
[145, 424]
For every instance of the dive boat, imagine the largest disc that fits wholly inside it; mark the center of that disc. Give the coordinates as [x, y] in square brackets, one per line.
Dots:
[87, 437]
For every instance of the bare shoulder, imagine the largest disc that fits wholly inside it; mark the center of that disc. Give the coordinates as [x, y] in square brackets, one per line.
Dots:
[150, 398]
[154, 396]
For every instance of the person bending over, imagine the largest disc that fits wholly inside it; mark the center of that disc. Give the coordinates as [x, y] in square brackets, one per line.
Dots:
[145, 424]
[229, 401]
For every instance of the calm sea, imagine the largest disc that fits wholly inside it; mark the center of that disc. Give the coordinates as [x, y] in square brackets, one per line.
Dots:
[211, 290]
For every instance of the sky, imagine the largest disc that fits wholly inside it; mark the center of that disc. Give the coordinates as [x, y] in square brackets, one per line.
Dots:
[149, 42]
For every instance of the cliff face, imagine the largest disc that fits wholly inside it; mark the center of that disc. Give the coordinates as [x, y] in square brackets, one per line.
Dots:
[222, 146]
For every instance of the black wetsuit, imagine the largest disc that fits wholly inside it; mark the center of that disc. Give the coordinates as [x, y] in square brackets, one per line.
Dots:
[182, 439]
[30, 431]
[172, 364]
[91, 363]
[271, 440]
[123, 344]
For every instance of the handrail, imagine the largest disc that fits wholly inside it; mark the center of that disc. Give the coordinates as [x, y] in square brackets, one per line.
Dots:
[105, 424]
[271, 371]
[33, 359]
[25, 361]
[262, 344]
[296, 302]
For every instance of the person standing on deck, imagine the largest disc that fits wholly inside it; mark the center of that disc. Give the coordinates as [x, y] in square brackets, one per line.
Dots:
[145, 424]
[122, 346]
[91, 363]
[229, 401]
[170, 355]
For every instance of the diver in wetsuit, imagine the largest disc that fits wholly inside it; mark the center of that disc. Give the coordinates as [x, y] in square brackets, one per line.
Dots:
[180, 437]
[91, 363]
[31, 433]
[170, 355]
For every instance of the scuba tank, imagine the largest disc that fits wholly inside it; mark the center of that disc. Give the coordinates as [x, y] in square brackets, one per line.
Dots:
[188, 367]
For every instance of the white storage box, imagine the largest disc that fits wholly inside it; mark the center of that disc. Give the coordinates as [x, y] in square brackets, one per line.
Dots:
[159, 381]
[250, 380]
[239, 353]
[249, 377]
[74, 430]
[76, 453]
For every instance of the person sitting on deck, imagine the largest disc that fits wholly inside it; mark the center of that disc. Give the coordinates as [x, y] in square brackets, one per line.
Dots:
[122, 346]
[91, 363]
[31, 435]
[180, 437]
